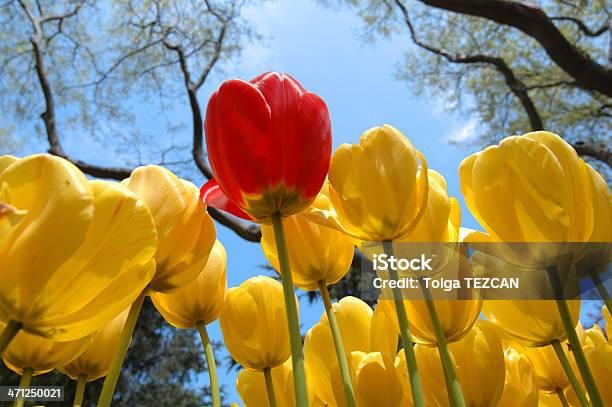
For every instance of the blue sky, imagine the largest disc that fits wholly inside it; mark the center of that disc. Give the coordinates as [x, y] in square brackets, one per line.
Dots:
[323, 49]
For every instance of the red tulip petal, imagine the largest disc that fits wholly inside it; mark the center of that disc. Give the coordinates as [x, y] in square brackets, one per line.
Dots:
[283, 94]
[212, 195]
[314, 126]
[237, 138]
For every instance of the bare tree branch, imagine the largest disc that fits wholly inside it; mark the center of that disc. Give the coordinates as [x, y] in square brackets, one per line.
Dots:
[192, 87]
[59, 17]
[551, 84]
[534, 22]
[517, 87]
[596, 150]
[583, 27]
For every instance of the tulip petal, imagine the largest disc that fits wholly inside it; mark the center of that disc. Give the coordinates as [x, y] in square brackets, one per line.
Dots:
[10, 219]
[212, 195]
[94, 363]
[58, 201]
[186, 306]
[6, 160]
[238, 138]
[121, 236]
[100, 310]
[40, 354]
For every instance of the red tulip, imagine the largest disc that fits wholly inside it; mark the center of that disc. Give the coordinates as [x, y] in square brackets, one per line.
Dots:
[269, 145]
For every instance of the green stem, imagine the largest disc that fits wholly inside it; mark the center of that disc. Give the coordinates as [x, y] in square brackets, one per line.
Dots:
[80, 390]
[340, 354]
[571, 376]
[24, 383]
[572, 337]
[601, 289]
[413, 372]
[562, 398]
[267, 372]
[108, 389]
[297, 357]
[8, 334]
[455, 394]
[211, 364]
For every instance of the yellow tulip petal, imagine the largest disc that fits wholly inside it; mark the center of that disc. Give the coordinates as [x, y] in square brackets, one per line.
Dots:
[354, 321]
[39, 354]
[374, 187]
[202, 299]
[96, 360]
[520, 387]
[121, 236]
[378, 383]
[6, 160]
[251, 386]
[186, 233]
[57, 203]
[316, 253]
[99, 311]
[254, 323]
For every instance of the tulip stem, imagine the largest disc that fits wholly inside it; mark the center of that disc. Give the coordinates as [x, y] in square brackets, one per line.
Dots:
[340, 354]
[297, 357]
[453, 387]
[267, 372]
[8, 334]
[413, 372]
[572, 337]
[108, 388]
[562, 398]
[24, 383]
[211, 364]
[571, 376]
[80, 390]
[601, 288]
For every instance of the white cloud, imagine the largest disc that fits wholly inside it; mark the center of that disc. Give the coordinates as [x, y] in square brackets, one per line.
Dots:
[466, 131]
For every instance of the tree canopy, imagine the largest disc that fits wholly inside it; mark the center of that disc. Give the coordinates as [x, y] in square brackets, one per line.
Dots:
[513, 66]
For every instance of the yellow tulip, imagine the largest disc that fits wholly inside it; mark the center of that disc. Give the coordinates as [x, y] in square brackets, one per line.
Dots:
[598, 353]
[94, 243]
[376, 380]
[520, 387]
[354, 318]
[254, 324]
[96, 360]
[442, 216]
[252, 387]
[440, 226]
[550, 375]
[530, 322]
[202, 299]
[456, 318]
[479, 363]
[40, 355]
[185, 231]
[437, 231]
[532, 188]
[376, 188]
[316, 253]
